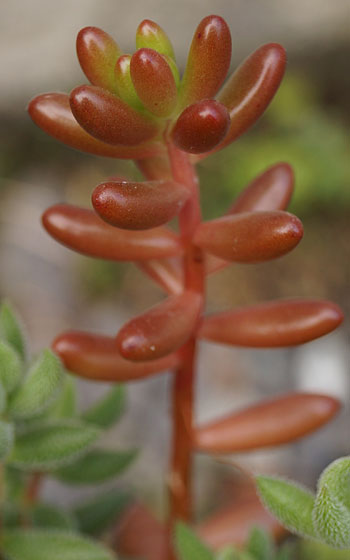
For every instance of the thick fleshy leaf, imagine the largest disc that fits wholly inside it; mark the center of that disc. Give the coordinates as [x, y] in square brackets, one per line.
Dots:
[201, 126]
[250, 237]
[97, 53]
[39, 389]
[12, 330]
[83, 231]
[273, 324]
[331, 519]
[96, 466]
[162, 329]
[260, 426]
[271, 190]
[131, 205]
[108, 118]
[189, 546]
[53, 114]
[46, 516]
[251, 88]
[125, 87]
[7, 433]
[208, 60]
[97, 357]
[107, 411]
[154, 81]
[10, 367]
[290, 503]
[150, 35]
[232, 524]
[49, 446]
[152, 539]
[98, 513]
[34, 544]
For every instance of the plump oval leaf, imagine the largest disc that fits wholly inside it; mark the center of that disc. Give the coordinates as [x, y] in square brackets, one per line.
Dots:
[290, 503]
[97, 357]
[331, 519]
[125, 87]
[83, 231]
[49, 446]
[96, 466]
[39, 389]
[106, 411]
[10, 367]
[150, 35]
[33, 544]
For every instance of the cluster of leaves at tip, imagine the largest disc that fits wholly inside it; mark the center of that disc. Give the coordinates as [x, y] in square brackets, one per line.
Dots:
[42, 433]
[324, 516]
[259, 546]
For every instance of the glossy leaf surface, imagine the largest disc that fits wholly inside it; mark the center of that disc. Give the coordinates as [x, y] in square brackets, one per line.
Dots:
[271, 190]
[53, 114]
[125, 87]
[273, 324]
[131, 205]
[201, 126]
[208, 60]
[83, 231]
[232, 524]
[250, 237]
[154, 81]
[251, 88]
[108, 118]
[260, 425]
[97, 357]
[160, 330]
[150, 35]
[97, 53]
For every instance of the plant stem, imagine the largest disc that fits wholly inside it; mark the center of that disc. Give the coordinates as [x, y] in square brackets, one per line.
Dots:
[180, 506]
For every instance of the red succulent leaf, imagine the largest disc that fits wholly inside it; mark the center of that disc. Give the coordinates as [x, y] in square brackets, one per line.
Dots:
[97, 53]
[250, 237]
[83, 231]
[135, 206]
[273, 324]
[153, 81]
[208, 61]
[53, 114]
[97, 357]
[260, 425]
[162, 329]
[201, 126]
[108, 118]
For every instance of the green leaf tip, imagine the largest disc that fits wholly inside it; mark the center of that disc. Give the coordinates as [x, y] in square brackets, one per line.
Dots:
[331, 519]
[290, 503]
[260, 545]
[107, 411]
[189, 546]
[12, 330]
[10, 367]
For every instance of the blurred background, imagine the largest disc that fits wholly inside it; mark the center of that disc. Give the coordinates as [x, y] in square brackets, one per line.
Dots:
[306, 125]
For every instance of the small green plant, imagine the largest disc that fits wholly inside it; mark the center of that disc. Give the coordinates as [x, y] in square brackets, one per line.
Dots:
[42, 434]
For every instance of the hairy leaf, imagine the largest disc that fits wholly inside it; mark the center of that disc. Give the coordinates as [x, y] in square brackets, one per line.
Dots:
[107, 411]
[337, 478]
[331, 519]
[52, 445]
[65, 405]
[51, 545]
[290, 503]
[96, 466]
[95, 515]
[6, 438]
[39, 389]
[12, 330]
[189, 546]
[10, 367]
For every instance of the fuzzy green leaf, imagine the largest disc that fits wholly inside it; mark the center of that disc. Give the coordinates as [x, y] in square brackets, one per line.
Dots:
[108, 410]
[290, 503]
[39, 389]
[98, 465]
[51, 517]
[6, 438]
[10, 367]
[10, 514]
[65, 405]
[337, 478]
[331, 519]
[260, 545]
[12, 330]
[51, 545]
[97, 514]
[189, 546]
[3, 398]
[50, 446]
